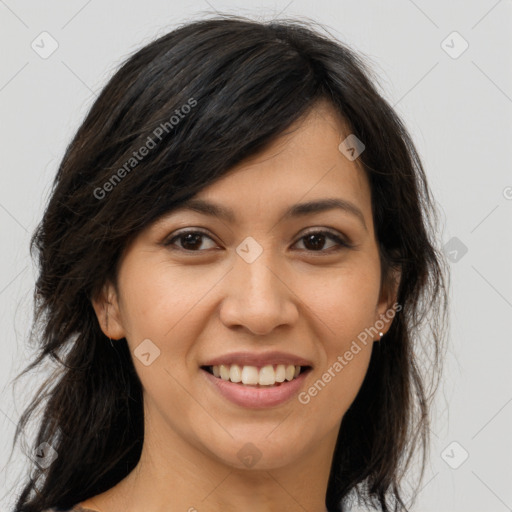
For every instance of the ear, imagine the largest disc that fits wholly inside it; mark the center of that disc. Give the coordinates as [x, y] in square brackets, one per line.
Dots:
[106, 307]
[387, 299]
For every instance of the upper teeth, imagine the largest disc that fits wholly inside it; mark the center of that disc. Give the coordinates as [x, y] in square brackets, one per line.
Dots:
[266, 376]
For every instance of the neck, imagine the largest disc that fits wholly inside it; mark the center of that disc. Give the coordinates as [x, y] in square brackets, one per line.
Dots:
[173, 475]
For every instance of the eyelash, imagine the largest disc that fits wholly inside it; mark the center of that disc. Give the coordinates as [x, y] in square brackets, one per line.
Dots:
[341, 243]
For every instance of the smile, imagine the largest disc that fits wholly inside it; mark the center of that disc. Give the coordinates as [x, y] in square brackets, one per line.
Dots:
[257, 388]
[268, 375]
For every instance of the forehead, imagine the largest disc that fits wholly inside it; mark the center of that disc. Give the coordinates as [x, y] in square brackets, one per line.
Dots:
[301, 165]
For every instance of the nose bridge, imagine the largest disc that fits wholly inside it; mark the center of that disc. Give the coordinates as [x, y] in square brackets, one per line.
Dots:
[256, 296]
[253, 268]
[260, 281]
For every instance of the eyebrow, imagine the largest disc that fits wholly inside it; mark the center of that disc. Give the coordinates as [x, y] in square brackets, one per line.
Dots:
[297, 210]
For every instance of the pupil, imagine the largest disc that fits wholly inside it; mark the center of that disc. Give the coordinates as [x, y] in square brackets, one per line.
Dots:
[310, 238]
[191, 239]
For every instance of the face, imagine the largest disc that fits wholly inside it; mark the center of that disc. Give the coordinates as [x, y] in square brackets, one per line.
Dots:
[258, 291]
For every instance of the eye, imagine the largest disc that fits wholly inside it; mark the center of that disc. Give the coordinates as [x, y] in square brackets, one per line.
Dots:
[190, 240]
[314, 241]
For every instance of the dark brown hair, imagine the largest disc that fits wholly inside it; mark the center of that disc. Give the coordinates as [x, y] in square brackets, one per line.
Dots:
[244, 83]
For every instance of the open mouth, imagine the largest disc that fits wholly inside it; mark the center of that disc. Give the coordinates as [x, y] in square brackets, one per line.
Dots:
[253, 376]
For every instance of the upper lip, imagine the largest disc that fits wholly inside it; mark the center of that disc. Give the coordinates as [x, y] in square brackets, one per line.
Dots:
[258, 359]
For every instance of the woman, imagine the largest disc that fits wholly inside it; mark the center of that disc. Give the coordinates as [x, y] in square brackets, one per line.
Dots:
[235, 265]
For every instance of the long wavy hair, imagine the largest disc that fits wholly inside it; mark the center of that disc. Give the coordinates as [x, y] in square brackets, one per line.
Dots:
[245, 82]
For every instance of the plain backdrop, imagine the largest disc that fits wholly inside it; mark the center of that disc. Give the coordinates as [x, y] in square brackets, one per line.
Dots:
[445, 66]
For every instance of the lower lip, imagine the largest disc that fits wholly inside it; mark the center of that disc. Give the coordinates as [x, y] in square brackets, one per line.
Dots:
[256, 397]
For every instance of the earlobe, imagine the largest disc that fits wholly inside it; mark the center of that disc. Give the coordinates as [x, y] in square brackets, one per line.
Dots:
[387, 308]
[106, 307]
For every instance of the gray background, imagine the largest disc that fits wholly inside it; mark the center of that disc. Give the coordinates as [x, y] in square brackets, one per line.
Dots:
[457, 109]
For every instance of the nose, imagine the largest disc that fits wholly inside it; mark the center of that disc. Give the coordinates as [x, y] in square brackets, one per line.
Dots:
[258, 296]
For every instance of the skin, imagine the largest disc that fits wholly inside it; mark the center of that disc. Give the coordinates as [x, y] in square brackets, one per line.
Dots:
[198, 305]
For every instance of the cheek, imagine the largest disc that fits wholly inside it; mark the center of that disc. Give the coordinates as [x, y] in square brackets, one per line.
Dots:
[163, 305]
[160, 300]
[343, 311]
[168, 306]
[342, 302]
